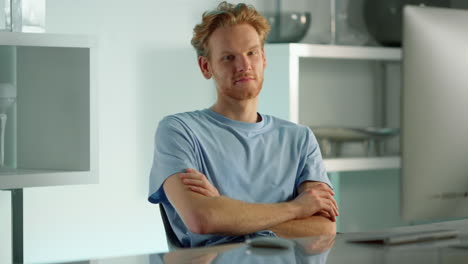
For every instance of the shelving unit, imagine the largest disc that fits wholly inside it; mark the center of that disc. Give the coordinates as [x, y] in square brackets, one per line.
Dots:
[52, 136]
[283, 61]
[281, 94]
[342, 86]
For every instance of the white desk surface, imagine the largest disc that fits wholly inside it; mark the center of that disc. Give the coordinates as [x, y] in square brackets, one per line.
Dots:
[320, 250]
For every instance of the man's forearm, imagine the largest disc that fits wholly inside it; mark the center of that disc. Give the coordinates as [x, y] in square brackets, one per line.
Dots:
[226, 216]
[311, 226]
[214, 214]
[223, 215]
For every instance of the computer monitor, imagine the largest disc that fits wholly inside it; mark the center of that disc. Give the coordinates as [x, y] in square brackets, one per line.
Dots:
[434, 125]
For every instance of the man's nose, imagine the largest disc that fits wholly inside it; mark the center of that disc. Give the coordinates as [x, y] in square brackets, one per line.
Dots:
[243, 64]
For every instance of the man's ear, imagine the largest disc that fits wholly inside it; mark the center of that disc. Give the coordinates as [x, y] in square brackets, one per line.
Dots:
[204, 67]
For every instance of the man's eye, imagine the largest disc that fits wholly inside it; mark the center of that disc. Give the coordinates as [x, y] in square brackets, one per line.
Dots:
[254, 52]
[228, 58]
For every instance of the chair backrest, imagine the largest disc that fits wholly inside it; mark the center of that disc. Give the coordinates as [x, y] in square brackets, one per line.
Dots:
[172, 241]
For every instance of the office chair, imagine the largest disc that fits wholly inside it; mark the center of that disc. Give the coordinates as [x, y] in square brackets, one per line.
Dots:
[173, 242]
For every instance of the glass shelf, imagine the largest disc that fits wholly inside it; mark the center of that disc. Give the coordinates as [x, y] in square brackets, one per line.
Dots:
[362, 163]
[338, 51]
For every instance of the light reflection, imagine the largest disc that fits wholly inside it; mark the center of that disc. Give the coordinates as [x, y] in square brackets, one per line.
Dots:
[313, 250]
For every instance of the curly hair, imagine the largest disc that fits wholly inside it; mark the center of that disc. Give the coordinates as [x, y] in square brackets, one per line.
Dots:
[227, 15]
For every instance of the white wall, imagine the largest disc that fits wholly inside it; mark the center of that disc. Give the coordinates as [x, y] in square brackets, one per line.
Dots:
[146, 70]
[143, 52]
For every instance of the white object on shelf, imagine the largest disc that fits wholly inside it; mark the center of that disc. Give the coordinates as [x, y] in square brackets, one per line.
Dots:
[23, 15]
[3, 119]
[33, 13]
[360, 164]
[7, 99]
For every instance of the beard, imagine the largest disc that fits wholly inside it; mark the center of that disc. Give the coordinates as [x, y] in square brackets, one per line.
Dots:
[244, 94]
[241, 91]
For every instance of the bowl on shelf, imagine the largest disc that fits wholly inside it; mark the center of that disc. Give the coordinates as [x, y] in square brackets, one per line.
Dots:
[372, 138]
[287, 27]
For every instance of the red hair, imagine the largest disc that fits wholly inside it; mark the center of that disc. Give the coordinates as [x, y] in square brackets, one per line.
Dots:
[227, 15]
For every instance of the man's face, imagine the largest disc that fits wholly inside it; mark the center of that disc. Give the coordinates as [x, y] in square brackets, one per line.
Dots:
[236, 61]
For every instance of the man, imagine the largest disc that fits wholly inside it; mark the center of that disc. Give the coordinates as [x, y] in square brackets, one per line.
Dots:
[227, 173]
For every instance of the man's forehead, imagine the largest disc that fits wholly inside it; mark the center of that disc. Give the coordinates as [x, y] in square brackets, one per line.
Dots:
[223, 50]
[237, 38]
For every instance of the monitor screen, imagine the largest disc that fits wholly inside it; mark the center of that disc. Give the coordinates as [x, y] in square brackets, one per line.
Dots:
[434, 128]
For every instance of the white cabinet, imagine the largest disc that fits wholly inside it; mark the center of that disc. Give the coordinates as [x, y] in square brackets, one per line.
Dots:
[326, 85]
[51, 137]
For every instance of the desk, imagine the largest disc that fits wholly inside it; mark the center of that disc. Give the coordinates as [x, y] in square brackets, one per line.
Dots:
[320, 250]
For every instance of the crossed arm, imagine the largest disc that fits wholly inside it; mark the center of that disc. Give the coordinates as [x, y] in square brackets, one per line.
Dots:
[204, 211]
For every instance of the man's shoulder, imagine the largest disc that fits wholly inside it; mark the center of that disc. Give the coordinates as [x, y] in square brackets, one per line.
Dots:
[184, 115]
[280, 123]
[180, 126]
[182, 118]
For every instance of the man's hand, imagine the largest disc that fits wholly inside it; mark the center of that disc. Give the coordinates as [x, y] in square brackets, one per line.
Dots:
[198, 183]
[316, 199]
[321, 223]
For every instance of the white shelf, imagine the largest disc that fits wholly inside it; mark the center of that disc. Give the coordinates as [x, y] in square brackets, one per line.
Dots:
[361, 164]
[23, 178]
[46, 40]
[345, 52]
[340, 52]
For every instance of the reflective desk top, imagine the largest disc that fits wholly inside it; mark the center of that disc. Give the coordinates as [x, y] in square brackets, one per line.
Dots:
[322, 249]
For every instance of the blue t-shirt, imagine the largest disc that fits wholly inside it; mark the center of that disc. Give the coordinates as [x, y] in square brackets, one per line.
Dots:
[261, 162]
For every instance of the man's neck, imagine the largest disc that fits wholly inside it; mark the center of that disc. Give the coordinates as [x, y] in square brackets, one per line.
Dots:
[243, 111]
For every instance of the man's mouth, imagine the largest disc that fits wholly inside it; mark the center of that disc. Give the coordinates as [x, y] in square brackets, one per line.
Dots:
[244, 79]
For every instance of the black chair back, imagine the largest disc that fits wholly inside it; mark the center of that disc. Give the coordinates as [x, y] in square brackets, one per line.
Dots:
[172, 240]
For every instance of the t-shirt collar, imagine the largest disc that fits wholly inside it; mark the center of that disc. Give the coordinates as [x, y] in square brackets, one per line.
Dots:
[235, 123]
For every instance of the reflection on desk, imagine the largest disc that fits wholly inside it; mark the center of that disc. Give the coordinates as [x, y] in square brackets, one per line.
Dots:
[321, 250]
[305, 250]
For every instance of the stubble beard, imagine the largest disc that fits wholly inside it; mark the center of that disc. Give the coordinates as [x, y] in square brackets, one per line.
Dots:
[246, 94]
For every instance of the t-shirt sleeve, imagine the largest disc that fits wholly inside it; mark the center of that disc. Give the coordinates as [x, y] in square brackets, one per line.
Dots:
[313, 168]
[173, 153]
